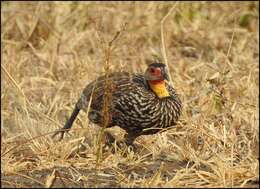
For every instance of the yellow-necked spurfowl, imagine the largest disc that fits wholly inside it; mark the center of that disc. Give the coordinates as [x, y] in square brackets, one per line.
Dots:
[137, 102]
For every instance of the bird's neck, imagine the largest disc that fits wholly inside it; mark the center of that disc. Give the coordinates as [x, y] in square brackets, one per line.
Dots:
[159, 88]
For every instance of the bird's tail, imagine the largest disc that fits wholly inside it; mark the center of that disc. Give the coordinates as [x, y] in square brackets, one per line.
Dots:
[68, 123]
[72, 118]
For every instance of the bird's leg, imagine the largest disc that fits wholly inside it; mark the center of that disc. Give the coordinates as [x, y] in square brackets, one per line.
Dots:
[129, 140]
[131, 136]
[122, 144]
[109, 137]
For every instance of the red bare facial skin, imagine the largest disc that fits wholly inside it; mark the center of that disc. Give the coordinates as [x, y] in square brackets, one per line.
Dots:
[158, 73]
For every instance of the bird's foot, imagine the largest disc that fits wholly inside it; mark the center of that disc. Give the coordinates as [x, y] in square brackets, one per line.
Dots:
[123, 146]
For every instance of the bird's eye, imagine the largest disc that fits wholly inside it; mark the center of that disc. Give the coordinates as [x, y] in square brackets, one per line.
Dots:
[152, 70]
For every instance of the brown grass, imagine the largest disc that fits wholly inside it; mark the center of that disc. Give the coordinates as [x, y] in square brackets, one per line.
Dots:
[50, 51]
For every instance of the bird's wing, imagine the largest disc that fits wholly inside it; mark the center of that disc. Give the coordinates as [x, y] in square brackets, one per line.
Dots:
[117, 82]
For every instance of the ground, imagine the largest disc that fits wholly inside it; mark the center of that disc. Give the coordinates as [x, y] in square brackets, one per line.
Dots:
[51, 50]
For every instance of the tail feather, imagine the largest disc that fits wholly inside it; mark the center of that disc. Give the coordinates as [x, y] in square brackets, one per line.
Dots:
[72, 118]
[68, 123]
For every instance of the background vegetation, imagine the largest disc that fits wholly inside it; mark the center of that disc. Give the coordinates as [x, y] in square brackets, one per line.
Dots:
[51, 50]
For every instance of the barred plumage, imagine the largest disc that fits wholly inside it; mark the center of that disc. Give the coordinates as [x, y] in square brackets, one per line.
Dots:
[135, 105]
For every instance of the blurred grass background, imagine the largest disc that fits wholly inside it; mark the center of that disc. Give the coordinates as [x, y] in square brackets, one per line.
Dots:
[51, 50]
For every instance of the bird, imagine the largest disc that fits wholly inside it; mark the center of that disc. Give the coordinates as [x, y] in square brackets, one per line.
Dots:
[139, 103]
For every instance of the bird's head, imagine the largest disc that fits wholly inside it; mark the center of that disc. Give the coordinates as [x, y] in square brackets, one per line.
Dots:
[156, 74]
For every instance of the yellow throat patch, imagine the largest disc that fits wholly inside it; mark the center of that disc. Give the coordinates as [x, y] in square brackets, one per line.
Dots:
[159, 89]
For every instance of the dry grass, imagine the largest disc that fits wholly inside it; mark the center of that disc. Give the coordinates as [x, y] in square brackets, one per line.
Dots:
[50, 51]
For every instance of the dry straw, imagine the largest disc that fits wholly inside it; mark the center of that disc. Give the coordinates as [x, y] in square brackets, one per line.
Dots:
[52, 50]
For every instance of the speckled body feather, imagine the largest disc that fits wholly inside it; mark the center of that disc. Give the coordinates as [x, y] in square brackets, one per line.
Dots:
[133, 105]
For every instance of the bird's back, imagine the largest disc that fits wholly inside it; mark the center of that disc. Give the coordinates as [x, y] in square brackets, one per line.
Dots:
[113, 85]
